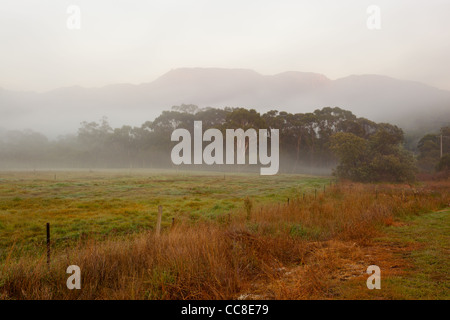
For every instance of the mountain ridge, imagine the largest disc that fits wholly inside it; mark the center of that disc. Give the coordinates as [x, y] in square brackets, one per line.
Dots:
[377, 97]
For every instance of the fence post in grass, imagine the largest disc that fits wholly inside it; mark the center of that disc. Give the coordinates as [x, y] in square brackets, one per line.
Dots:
[173, 222]
[288, 201]
[158, 221]
[48, 243]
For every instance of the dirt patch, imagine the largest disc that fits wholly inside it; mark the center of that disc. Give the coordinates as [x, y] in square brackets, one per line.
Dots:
[328, 266]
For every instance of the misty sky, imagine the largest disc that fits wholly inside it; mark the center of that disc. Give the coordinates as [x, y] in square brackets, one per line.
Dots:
[136, 41]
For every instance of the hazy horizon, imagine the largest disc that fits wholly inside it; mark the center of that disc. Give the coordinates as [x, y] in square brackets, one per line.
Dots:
[135, 42]
[216, 68]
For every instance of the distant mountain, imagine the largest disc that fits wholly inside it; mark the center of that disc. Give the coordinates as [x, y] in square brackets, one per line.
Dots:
[412, 105]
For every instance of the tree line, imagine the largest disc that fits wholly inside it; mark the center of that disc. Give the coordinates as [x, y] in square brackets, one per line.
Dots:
[309, 143]
[434, 151]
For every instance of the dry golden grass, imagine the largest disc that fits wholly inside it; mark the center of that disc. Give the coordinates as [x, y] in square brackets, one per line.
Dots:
[298, 251]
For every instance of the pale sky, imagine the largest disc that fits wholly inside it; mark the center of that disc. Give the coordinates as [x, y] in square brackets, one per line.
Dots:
[136, 41]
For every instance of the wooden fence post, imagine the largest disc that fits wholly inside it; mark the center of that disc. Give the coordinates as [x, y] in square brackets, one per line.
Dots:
[158, 221]
[48, 243]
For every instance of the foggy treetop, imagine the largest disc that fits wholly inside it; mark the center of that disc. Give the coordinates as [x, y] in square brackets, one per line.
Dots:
[304, 139]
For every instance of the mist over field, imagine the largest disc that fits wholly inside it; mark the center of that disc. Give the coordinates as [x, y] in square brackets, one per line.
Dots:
[45, 130]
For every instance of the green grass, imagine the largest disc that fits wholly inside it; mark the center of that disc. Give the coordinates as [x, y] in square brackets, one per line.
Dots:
[427, 273]
[103, 203]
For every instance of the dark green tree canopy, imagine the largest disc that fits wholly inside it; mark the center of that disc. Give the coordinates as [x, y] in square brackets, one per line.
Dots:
[381, 157]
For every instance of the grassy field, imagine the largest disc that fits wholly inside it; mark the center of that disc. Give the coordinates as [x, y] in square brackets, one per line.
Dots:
[235, 237]
[414, 256]
[79, 204]
[425, 245]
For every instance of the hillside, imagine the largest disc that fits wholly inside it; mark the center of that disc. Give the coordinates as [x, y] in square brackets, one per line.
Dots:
[413, 106]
